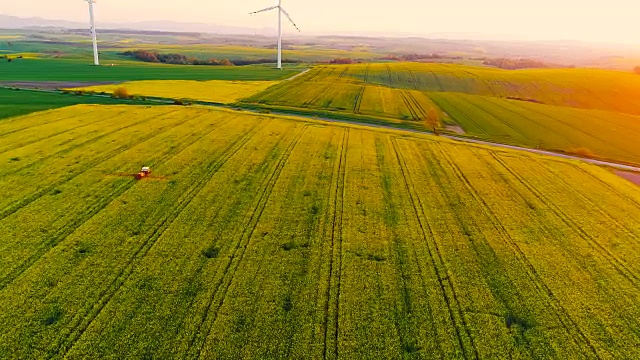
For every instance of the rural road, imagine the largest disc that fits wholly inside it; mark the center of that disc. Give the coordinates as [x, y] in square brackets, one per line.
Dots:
[473, 141]
[614, 165]
[297, 75]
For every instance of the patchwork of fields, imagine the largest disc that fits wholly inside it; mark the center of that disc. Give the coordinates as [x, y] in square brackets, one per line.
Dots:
[265, 237]
[21, 102]
[218, 91]
[556, 109]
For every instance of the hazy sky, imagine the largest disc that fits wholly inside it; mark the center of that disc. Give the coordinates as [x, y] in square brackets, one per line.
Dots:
[591, 20]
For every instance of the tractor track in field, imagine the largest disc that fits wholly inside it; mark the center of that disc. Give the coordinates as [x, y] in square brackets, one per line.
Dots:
[341, 184]
[479, 79]
[424, 229]
[336, 236]
[160, 227]
[525, 118]
[229, 271]
[481, 251]
[76, 146]
[37, 114]
[409, 105]
[594, 204]
[608, 186]
[612, 144]
[358, 101]
[360, 94]
[222, 286]
[459, 79]
[437, 79]
[402, 251]
[616, 263]
[456, 108]
[194, 276]
[198, 271]
[11, 209]
[505, 123]
[417, 107]
[310, 102]
[261, 183]
[563, 316]
[33, 141]
[413, 77]
[67, 230]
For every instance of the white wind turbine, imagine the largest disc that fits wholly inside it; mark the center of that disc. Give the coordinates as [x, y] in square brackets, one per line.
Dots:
[280, 12]
[96, 61]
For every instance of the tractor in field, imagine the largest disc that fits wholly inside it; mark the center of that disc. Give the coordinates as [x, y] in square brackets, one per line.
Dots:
[144, 172]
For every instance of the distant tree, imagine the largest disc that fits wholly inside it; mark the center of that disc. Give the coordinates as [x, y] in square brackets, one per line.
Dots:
[121, 93]
[433, 120]
[226, 62]
[637, 70]
[581, 152]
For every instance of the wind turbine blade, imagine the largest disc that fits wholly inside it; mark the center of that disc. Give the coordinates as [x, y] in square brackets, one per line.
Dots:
[290, 19]
[263, 10]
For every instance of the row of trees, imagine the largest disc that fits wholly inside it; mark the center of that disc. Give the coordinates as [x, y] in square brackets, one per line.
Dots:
[179, 59]
[514, 64]
[417, 57]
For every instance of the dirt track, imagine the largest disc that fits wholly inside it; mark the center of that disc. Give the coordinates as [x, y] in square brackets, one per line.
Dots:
[633, 177]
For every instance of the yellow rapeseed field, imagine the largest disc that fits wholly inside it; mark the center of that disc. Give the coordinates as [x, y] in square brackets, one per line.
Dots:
[269, 237]
[218, 91]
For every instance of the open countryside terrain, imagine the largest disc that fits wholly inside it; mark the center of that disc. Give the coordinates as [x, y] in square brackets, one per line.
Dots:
[591, 111]
[272, 237]
[21, 102]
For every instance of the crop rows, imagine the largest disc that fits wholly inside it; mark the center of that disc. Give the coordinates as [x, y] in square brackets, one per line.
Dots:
[578, 88]
[260, 237]
[550, 109]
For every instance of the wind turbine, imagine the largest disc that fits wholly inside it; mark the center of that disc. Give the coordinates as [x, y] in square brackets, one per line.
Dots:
[96, 61]
[280, 12]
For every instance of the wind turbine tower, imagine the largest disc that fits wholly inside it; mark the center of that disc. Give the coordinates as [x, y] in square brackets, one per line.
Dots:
[280, 12]
[96, 61]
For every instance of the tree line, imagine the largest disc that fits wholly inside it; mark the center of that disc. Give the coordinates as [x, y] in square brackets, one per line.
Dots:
[180, 59]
